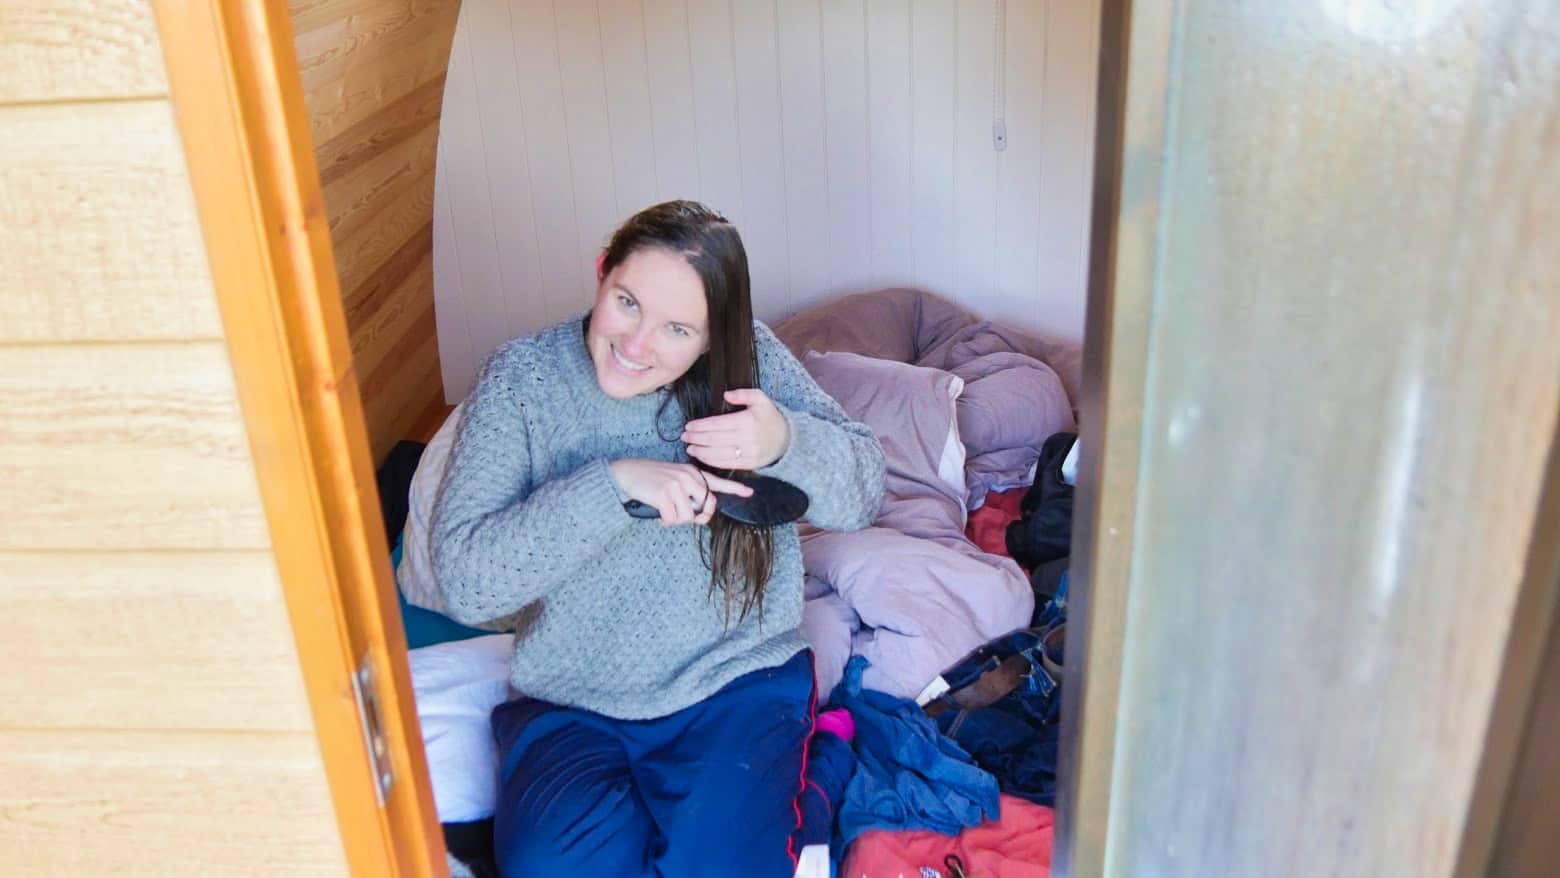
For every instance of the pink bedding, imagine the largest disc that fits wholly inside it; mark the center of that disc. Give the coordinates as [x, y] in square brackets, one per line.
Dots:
[1018, 845]
[988, 525]
[912, 593]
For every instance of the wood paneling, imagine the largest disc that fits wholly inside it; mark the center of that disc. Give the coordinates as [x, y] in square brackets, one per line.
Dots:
[99, 172]
[254, 173]
[64, 50]
[358, 58]
[374, 76]
[98, 640]
[851, 142]
[154, 720]
[412, 367]
[1350, 393]
[1526, 845]
[1516, 803]
[378, 238]
[369, 190]
[164, 803]
[401, 120]
[404, 320]
[430, 422]
[125, 446]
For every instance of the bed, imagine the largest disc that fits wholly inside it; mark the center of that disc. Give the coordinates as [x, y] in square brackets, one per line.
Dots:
[962, 407]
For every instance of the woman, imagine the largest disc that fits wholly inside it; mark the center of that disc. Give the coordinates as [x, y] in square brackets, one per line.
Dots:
[664, 694]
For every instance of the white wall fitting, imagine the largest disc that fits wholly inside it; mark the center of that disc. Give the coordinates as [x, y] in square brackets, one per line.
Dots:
[851, 142]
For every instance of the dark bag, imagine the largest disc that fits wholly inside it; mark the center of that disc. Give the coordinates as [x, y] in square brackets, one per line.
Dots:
[1043, 533]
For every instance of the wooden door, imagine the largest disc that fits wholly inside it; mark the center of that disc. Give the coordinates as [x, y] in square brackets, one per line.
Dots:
[235, 84]
[1324, 370]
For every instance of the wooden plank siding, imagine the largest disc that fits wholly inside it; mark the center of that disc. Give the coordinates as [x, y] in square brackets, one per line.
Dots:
[373, 74]
[65, 50]
[153, 719]
[90, 170]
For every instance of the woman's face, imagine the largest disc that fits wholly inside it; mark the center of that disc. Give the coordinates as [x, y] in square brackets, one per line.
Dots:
[649, 325]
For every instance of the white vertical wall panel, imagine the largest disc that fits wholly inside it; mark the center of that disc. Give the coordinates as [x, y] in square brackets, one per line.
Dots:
[1066, 178]
[1016, 292]
[580, 59]
[715, 106]
[631, 122]
[974, 234]
[761, 138]
[669, 51]
[848, 146]
[547, 161]
[806, 151]
[471, 312]
[450, 313]
[889, 133]
[933, 176]
[487, 95]
[851, 142]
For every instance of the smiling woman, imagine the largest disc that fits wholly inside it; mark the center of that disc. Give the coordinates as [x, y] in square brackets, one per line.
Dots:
[642, 341]
[634, 402]
[1318, 226]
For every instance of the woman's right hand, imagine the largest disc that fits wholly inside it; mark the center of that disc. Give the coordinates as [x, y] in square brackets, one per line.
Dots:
[674, 489]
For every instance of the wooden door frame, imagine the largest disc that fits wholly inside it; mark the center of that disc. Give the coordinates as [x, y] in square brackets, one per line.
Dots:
[1503, 833]
[234, 79]
[233, 75]
[1124, 229]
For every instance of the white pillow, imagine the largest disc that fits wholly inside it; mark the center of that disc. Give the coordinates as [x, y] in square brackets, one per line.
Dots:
[951, 467]
[457, 685]
[415, 573]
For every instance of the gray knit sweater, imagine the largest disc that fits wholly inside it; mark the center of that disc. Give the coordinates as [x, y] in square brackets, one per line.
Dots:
[615, 613]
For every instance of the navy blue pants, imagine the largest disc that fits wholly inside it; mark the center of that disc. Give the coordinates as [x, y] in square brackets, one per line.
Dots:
[713, 789]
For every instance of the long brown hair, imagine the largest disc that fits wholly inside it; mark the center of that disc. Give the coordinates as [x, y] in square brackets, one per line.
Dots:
[740, 556]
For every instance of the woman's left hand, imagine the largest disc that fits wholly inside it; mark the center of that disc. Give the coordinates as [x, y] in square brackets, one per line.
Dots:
[749, 439]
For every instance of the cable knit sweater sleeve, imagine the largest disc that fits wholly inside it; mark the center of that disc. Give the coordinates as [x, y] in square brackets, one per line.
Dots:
[501, 541]
[838, 462]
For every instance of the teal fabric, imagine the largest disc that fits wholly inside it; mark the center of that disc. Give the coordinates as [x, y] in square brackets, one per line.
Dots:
[425, 627]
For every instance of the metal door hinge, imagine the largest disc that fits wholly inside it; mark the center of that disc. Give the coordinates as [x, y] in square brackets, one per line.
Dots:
[366, 690]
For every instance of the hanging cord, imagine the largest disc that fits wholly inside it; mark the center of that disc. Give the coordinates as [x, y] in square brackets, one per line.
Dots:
[999, 75]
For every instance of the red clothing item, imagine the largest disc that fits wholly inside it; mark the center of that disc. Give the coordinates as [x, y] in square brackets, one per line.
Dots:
[1016, 846]
[987, 527]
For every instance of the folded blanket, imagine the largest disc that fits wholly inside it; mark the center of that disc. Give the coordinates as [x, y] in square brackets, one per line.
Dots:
[912, 594]
[911, 603]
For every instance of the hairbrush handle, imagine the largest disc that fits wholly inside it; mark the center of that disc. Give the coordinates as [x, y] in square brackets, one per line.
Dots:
[641, 510]
[637, 509]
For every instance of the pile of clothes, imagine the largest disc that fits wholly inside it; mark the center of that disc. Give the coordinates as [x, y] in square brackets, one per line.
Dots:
[964, 783]
[958, 782]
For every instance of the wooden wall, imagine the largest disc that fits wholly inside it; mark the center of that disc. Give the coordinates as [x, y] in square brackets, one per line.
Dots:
[152, 716]
[373, 74]
[851, 142]
[1338, 244]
